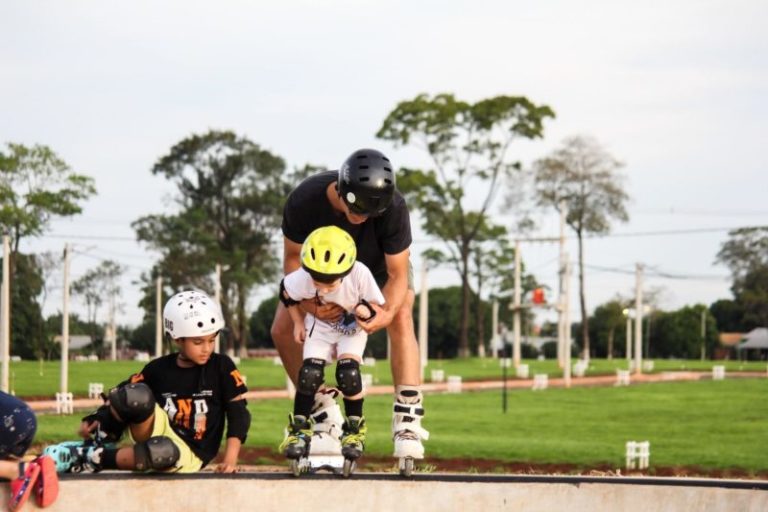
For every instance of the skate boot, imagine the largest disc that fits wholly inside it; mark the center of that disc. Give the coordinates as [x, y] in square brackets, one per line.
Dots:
[327, 419]
[47, 486]
[353, 440]
[407, 431]
[23, 486]
[77, 456]
[297, 438]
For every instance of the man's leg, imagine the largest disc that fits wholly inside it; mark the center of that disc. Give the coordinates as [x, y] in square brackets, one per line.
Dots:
[282, 335]
[408, 408]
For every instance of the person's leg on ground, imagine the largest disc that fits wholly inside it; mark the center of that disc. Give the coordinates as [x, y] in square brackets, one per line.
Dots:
[406, 373]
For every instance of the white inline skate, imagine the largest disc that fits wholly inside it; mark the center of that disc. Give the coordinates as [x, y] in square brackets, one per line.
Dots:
[324, 447]
[407, 431]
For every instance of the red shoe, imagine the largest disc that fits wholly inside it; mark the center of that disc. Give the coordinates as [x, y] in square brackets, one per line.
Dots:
[22, 486]
[47, 485]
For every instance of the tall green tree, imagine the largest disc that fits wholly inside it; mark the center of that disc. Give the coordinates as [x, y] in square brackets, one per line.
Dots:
[608, 326]
[468, 144]
[230, 196]
[585, 178]
[746, 255]
[36, 185]
[678, 333]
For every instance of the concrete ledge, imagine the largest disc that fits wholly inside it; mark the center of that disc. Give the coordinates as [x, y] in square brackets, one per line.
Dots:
[119, 492]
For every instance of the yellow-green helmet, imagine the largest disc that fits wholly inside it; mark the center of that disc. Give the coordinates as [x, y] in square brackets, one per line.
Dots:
[328, 254]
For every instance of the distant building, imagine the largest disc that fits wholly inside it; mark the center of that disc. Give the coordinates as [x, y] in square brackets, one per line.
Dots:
[76, 341]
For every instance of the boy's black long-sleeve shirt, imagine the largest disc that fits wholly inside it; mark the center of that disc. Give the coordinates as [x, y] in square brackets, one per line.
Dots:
[196, 398]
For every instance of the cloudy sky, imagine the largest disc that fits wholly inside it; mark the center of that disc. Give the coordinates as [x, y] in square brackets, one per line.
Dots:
[676, 90]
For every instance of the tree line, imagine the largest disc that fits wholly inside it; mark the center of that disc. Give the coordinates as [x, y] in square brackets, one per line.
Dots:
[228, 204]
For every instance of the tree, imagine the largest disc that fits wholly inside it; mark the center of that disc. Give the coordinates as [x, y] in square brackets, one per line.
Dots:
[261, 322]
[36, 185]
[605, 323]
[230, 200]
[468, 146]
[746, 254]
[729, 315]
[678, 333]
[96, 285]
[28, 328]
[585, 178]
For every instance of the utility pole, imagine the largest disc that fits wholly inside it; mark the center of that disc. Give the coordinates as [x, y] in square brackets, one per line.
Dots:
[567, 323]
[639, 319]
[424, 319]
[112, 329]
[217, 297]
[628, 313]
[159, 317]
[517, 306]
[561, 327]
[5, 314]
[495, 328]
[64, 381]
[703, 333]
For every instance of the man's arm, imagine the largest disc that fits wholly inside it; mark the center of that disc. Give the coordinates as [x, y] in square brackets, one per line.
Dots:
[291, 255]
[394, 292]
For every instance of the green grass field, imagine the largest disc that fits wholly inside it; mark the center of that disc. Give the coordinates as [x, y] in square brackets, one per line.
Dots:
[711, 424]
[32, 379]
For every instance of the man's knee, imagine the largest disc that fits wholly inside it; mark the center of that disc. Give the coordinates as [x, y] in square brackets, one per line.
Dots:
[134, 403]
[158, 453]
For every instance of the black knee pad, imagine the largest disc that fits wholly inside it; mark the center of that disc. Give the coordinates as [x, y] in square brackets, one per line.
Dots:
[156, 453]
[311, 376]
[348, 377]
[134, 403]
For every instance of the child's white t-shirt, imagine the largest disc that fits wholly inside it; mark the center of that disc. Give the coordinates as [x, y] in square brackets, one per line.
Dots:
[358, 284]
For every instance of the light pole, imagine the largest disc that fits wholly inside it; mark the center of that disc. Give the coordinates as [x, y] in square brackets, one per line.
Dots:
[629, 313]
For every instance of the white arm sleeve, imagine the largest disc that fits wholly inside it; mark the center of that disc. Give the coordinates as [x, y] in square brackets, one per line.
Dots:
[299, 285]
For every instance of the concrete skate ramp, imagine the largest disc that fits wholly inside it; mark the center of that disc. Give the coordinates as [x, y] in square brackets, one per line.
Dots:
[113, 492]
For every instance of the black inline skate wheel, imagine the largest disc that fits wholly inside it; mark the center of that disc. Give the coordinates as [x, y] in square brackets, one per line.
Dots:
[406, 466]
[295, 468]
[349, 467]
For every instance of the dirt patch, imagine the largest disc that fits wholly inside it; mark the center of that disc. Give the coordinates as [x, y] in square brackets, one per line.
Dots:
[266, 460]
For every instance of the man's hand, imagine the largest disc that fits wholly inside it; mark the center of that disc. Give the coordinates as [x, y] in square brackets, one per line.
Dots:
[380, 320]
[327, 312]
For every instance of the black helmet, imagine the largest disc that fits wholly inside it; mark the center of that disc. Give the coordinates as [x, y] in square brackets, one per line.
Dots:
[366, 182]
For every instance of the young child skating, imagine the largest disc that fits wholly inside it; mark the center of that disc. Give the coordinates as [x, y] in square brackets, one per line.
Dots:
[329, 273]
[175, 409]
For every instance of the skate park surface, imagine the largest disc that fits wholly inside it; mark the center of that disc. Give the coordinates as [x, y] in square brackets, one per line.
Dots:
[121, 492]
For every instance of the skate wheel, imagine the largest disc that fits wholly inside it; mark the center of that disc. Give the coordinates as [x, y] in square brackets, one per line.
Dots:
[406, 466]
[295, 468]
[349, 467]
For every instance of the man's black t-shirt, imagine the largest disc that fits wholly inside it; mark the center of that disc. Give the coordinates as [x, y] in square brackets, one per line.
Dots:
[308, 208]
[195, 398]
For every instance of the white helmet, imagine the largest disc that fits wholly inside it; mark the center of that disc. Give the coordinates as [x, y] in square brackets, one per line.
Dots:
[190, 314]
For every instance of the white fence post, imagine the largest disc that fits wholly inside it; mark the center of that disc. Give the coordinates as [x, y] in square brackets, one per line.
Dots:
[64, 403]
[454, 384]
[95, 389]
[540, 381]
